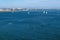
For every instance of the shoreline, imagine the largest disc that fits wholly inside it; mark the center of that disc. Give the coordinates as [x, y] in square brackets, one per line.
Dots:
[5, 10]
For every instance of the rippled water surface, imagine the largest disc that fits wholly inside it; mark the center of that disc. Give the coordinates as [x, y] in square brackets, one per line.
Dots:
[30, 26]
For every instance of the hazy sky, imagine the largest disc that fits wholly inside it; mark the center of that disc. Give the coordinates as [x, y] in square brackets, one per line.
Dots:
[30, 3]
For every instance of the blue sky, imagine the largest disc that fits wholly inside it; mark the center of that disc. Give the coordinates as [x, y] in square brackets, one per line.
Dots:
[30, 3]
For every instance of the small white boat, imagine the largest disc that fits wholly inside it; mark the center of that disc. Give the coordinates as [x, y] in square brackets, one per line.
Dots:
[28, 12]
[45, 12]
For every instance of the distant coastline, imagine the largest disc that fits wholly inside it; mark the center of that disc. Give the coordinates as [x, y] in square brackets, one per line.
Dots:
[8, 9]
[22, 9]
[4, 10]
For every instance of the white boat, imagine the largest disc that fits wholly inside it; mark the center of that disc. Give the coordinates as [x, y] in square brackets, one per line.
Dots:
[45, 12]
[28, 12]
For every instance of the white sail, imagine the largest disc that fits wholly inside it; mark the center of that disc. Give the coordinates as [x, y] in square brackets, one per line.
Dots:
[44, 12]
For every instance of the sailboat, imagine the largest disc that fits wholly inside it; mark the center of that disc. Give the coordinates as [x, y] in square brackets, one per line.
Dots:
[28, 12]
[45, 12]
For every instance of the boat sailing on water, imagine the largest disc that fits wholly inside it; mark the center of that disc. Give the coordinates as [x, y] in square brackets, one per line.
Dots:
[45, 12]
[28, 12]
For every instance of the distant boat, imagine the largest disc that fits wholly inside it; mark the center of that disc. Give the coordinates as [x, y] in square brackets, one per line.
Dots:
[45, 12]
[28, 12]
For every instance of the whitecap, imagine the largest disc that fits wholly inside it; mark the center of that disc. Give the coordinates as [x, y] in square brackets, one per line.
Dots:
[10, 23]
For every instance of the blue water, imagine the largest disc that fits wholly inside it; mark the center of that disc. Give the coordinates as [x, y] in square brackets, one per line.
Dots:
[32, 26]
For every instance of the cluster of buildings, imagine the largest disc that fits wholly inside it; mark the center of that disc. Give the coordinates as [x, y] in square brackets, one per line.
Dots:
[17, 9]
[10, 9]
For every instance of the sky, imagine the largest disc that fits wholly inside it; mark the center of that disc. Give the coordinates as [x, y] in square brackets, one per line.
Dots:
[30, 3]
